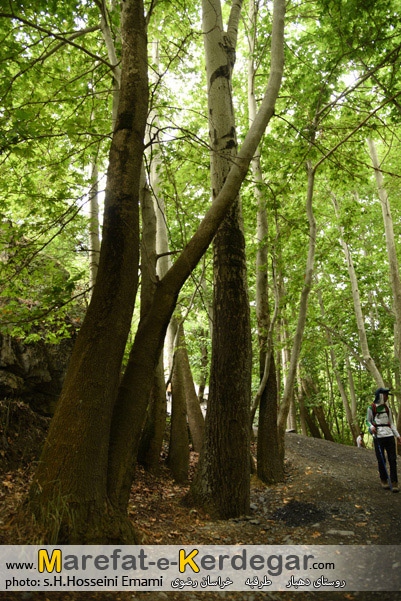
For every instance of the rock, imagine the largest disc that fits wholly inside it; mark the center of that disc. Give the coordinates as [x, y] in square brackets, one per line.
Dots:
[33, 372]
[341, 532]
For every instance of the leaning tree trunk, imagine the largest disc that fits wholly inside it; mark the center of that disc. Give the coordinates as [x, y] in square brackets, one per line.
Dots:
[70, 481]
[155, 425]
[354, 407]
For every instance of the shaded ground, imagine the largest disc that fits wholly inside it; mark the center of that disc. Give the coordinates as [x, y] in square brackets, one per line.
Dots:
[331, 495]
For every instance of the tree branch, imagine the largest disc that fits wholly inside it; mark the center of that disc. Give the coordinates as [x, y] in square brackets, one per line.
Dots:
[57, 36]
[233, 22]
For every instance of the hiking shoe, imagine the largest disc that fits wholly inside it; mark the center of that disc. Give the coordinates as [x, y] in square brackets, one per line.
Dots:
[385, 484]
[394, 486]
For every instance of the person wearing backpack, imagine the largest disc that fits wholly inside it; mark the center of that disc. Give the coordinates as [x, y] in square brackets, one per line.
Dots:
[380, 422]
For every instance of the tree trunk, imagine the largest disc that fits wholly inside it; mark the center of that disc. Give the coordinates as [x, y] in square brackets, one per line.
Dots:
[155, 425]
[196, 420]
[152, 435]
[296, 349]
[301, 404]
[268, 463]
[390, 242]
[369, 362]
[312, 425]
[312, 391]
[353, 428]
[270, 468]
[94, 235]
[70, 482]
[354, 407]
[178, 455]
[319, 412]
[204, 365]
[223, 479]
[135, 387]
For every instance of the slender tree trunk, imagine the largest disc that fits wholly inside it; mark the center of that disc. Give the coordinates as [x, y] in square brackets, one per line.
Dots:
[311, 391]
[390, 242]
[94, 235]
[268, 466]
[70, 481]
[154, 428]
[152, 435]
[301, 404]
[178, 455]
[319, 412]
[155, 425]
[204, 366]
[340, 384]
[196, 420]
[354, 407]
[369, 362]
[296, 349]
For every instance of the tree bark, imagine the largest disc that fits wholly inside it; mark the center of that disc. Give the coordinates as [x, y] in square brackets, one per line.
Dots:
[155, 424]
[222, 480]
[70, 482]
[354, 408]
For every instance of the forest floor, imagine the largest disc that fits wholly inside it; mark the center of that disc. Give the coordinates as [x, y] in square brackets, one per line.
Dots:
[331, 496]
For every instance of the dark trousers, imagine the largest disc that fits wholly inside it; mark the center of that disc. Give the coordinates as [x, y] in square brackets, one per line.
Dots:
[386, 444]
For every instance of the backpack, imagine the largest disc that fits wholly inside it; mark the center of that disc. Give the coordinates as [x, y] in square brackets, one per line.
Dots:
[374, 411]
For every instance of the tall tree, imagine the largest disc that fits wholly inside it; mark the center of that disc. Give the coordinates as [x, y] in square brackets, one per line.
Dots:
[71, 480]
[222, 482]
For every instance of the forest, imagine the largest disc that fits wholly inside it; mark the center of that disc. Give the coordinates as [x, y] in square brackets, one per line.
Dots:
[200, 211]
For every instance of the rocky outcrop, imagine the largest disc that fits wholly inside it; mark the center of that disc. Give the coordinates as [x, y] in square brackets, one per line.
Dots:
[33, 372]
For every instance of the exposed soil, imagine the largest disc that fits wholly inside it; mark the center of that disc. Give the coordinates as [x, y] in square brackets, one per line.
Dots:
[331, 495]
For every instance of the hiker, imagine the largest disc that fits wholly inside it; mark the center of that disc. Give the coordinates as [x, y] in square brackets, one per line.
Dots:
[383, 430]
[360, 443]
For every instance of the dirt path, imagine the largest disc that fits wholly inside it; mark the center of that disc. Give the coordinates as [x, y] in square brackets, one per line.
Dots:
[331, 495]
